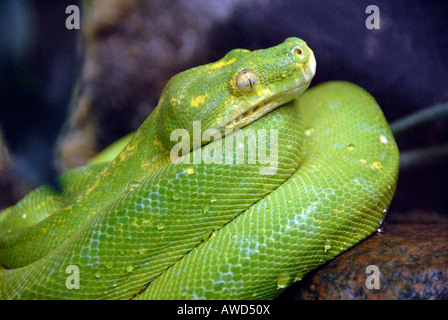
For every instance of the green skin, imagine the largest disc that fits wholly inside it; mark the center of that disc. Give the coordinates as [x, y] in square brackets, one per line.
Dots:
[144, 226]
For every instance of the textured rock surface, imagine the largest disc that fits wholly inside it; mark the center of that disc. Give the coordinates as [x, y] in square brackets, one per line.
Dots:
[412, 260]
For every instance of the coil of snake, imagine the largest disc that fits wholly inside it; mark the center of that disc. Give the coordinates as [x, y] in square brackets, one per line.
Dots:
[148, 225]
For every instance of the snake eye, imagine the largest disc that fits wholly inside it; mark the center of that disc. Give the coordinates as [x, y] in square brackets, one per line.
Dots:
[246, 81]
[298, 52]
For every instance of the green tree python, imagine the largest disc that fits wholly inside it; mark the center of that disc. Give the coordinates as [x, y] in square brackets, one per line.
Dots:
[201, 215]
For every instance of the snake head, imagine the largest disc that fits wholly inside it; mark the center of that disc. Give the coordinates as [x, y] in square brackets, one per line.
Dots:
[238, 89]
[260, 88]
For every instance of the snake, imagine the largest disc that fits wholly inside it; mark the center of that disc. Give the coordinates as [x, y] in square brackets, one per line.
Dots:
[240, 182]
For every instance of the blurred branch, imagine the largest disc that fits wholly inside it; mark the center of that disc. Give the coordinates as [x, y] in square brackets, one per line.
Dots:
[425, 156]
[419, 118]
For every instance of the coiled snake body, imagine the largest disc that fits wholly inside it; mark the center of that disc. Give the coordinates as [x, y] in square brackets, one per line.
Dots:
[213, 223]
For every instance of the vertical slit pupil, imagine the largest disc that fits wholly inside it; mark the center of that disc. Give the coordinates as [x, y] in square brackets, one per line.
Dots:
[250, 82]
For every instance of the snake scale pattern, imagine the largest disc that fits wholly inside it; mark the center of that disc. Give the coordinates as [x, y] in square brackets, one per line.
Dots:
[147, 225]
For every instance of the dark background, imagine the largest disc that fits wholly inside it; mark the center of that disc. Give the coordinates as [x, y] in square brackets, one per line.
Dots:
[403, 65]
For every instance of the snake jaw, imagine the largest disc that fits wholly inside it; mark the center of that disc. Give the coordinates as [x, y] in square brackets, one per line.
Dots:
[260, 109]
[254, 111]
[309, 70]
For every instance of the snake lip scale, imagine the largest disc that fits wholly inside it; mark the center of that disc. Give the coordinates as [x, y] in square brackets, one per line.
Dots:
[255, 112]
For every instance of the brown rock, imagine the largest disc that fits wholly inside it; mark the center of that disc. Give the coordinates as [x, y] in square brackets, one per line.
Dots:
[412, 260]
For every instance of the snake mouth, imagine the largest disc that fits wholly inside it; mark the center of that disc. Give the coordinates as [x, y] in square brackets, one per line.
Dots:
[253, 113]
[250, 112]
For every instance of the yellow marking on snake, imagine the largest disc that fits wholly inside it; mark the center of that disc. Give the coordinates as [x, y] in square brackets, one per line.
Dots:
[223, 63]
[376, 165]
[196, 101]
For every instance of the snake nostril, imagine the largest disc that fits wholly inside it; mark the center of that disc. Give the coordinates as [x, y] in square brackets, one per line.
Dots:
[298, 51]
